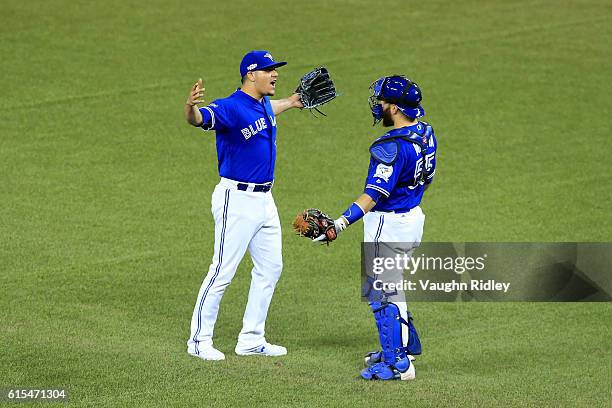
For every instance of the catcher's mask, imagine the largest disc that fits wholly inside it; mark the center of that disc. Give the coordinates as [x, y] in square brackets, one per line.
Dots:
[398, 90]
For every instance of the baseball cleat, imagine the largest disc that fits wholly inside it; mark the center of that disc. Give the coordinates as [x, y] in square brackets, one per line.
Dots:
[374, 357]
[383, 371]
[266, 349]
[209, 353]
[410, 374]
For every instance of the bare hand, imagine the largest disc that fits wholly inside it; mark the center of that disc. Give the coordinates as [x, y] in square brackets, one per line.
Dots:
[197, 93]
[296, 101]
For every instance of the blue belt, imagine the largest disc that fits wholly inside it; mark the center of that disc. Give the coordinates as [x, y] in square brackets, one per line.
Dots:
[258, 188]
[396, 211]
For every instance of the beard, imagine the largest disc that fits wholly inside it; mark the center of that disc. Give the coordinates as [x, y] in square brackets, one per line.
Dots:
[387, 121]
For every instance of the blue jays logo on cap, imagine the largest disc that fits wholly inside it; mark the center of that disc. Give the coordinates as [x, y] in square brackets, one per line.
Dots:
[257, 61]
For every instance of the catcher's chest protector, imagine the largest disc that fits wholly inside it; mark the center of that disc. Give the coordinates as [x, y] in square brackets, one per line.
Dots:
[387, 148]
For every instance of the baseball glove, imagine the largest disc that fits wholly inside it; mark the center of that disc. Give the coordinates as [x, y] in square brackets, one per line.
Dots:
[316, 88]
[313, 223]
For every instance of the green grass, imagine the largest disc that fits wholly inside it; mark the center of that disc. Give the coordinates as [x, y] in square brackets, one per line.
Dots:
[106, 229]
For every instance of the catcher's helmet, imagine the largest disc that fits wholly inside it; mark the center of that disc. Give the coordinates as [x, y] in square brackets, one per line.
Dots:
[398, 90]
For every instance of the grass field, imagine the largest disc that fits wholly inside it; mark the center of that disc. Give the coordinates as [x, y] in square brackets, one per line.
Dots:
[106, 231]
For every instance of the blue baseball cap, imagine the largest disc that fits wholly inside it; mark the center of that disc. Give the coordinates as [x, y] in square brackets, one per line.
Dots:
[257, 61]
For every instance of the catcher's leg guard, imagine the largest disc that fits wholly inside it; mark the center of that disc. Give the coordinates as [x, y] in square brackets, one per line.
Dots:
[396, 363]
[414, 344]
[413, 348]
[388, 317]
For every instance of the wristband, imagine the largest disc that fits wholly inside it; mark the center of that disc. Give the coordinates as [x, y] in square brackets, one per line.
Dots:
[353, 213]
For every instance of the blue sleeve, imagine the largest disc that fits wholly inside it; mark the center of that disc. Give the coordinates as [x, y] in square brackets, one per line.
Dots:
[430, 159]
[216, 116]
[382, 178]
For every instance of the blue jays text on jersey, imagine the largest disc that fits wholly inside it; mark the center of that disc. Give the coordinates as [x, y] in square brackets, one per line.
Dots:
[246, 137]
[395, 176]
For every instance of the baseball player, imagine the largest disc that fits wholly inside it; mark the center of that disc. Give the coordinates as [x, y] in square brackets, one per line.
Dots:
[242, 205]
[402, 166]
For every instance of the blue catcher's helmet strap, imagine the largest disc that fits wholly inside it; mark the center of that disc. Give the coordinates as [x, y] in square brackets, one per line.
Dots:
[401, 100]
[379, 86]
[409, 83]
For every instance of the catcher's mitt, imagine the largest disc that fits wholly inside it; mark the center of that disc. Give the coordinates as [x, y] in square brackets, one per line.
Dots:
[313, 223]
[316, 88]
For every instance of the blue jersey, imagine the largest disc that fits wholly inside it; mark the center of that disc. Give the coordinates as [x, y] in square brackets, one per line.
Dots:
[246, 137]
[395, 178]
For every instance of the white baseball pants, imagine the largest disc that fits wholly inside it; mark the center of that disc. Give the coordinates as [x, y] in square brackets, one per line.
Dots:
[243, 220]
[397, 234]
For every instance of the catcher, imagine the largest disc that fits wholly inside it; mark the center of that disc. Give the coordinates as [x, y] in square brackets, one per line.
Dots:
[402, 167]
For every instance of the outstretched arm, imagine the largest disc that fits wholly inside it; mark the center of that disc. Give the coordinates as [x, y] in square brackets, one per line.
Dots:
[192, 112]
[281, 105]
